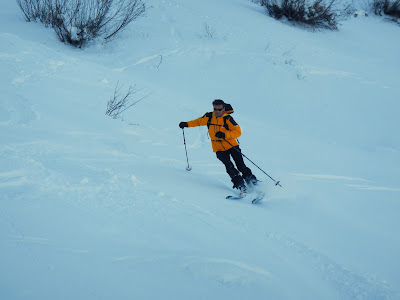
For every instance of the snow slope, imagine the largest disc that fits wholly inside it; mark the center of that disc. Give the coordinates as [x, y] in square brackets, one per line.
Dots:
[97, 208]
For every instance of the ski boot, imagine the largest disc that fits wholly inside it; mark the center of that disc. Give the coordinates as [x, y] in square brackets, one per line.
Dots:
[243, 190]
[238, 183]
[251, 180]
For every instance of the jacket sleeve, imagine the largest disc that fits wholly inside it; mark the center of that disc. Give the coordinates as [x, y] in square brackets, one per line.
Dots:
[198, 122]
[234, 129]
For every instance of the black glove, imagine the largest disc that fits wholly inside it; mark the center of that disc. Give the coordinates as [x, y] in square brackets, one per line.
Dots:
[183, 125]
[220, 135]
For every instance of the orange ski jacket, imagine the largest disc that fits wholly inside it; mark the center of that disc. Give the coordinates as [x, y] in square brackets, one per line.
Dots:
[225, 124]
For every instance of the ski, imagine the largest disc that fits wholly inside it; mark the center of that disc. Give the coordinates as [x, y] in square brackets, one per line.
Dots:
[234, 197]
[258, 198]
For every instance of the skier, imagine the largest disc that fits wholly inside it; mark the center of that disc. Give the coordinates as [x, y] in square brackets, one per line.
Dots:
[223, 131]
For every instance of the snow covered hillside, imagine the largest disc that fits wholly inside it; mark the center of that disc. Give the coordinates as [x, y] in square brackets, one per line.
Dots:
[97, 208]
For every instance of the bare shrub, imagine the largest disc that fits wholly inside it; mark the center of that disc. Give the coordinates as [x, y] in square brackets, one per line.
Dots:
[386, 7]
[121, 102]
[209, 32]
[77, 22]
[313, 13]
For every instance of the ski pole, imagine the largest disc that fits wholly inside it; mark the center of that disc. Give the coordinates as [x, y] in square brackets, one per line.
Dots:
[188, 168]
[276, 182]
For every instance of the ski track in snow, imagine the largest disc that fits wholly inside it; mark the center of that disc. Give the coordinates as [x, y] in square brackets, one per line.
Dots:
[225, 271]
[373, 188]
[336, 178]
[349, 284]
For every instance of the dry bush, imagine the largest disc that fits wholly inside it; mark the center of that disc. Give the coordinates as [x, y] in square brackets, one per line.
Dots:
[315, 14]
[77, 22]
[386, 7]
[120, 102]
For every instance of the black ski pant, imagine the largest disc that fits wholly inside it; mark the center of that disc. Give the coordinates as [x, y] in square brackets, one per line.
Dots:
[225, 157]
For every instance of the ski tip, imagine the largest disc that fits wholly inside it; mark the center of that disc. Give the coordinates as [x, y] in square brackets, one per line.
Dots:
[233, 197]
[258, 198]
